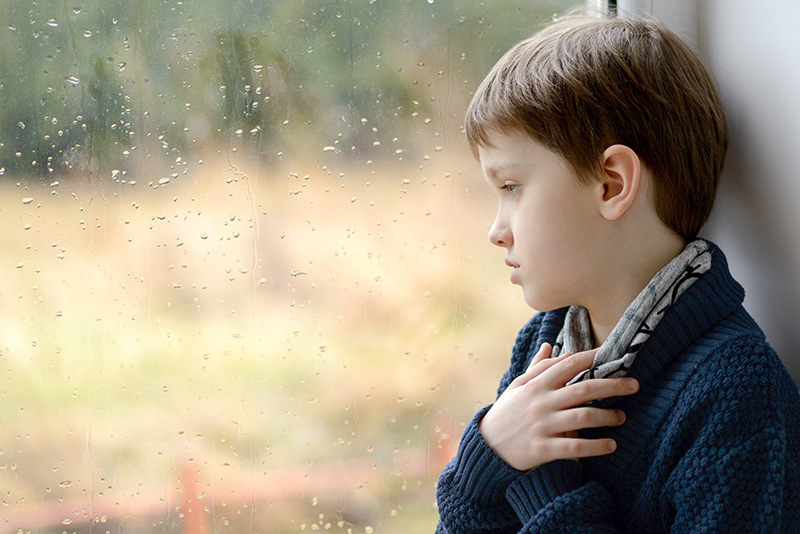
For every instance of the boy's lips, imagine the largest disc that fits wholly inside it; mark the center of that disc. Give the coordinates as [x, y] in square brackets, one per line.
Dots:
[514, 272]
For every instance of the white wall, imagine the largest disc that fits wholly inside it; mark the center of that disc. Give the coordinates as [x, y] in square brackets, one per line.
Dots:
[753, 51]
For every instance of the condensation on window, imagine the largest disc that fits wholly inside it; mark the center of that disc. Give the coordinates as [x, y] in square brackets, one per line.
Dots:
[246, 281]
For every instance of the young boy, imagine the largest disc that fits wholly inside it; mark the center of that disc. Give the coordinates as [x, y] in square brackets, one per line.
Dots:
[644, 398]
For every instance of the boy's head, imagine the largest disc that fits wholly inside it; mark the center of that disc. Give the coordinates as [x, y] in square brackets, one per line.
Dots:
[585, 83]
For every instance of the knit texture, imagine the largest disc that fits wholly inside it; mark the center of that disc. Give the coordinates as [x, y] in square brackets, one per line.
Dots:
[711, 442]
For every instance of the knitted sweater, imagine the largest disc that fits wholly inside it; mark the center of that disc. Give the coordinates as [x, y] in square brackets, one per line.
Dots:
[711, 442]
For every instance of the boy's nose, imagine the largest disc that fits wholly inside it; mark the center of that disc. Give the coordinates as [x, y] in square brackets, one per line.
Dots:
[499, 234]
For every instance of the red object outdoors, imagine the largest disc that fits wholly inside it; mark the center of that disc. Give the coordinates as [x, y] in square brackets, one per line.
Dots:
[193, 510]
[193, 500]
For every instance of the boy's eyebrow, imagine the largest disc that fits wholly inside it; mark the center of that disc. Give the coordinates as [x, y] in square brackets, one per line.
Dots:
[491, 173]
[494, 171]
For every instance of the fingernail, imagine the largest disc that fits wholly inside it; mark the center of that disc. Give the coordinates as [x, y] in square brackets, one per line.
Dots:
[621, 416]
[632, 384]
[612, 446]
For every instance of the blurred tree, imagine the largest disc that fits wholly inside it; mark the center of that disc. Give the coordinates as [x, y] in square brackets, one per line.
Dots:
[107, 84]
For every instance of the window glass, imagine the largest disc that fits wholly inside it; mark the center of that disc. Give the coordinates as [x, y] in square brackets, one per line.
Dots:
[247, 285]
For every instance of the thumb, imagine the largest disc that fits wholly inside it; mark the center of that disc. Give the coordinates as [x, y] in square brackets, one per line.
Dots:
[545, 351]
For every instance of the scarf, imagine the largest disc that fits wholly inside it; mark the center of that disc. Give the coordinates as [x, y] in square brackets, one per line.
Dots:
[616, 355]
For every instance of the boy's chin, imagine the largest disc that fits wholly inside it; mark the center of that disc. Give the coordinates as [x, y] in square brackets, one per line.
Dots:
[541, 303]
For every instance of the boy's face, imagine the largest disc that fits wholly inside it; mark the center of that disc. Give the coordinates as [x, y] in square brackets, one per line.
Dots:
[547, 221]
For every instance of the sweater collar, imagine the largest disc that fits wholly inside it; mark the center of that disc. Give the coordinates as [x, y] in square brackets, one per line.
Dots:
[713, 297]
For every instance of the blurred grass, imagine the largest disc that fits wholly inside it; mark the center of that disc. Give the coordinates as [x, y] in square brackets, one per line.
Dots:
[254, 319]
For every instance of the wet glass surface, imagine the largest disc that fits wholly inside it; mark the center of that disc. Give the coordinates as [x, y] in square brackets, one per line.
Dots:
[246, 281]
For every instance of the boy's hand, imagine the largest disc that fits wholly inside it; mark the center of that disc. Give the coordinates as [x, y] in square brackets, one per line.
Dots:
[537, 419]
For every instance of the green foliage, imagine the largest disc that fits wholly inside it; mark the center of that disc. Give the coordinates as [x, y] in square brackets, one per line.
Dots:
[110, 84]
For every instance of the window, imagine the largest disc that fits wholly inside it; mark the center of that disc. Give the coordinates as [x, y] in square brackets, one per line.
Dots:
[247, 285]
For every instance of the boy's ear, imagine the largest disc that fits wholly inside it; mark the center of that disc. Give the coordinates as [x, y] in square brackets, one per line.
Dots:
[619, 180]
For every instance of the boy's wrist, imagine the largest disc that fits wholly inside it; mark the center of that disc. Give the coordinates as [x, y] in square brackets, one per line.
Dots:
[480, 472]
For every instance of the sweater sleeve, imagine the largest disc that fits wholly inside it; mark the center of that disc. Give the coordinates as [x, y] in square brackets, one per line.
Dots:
[478, 492]
[553, 499]
[471, 488]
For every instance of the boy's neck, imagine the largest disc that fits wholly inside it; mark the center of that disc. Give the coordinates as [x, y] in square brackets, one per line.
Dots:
[627, 279]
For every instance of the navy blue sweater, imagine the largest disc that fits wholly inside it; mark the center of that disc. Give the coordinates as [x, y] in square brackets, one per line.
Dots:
[711, 442]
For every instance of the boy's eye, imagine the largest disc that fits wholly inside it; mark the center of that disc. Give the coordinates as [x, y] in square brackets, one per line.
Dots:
[511, 188]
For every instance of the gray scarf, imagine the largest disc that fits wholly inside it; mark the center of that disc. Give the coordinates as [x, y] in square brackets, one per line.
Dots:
[616, 354]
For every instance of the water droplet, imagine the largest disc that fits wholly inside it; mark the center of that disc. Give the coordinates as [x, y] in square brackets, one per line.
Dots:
[329, 149]
[66, 521]
[27, 200]
[87, 33]
[258, 68]
[52, 22]
[297, 272]
[74, 80]
[204, 236]
[121, 65]
[65, 483]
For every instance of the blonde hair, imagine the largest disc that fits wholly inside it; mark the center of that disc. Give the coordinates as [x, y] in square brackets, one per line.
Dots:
[585, 83]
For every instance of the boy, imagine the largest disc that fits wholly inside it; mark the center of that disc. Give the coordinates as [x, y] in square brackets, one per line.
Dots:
[644, 399]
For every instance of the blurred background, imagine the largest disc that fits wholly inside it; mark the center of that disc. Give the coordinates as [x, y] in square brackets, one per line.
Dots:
[246, 280]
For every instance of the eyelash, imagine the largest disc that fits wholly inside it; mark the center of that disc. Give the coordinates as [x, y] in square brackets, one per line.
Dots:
[510, 188]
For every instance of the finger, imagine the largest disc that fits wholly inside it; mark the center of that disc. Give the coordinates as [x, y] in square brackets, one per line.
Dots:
[538, 364]
[571, 448]
[570, 421]
[594, 389]
[568, 367]
[545, 351]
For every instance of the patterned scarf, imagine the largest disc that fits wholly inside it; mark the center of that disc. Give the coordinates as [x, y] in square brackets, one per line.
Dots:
[615, 356]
